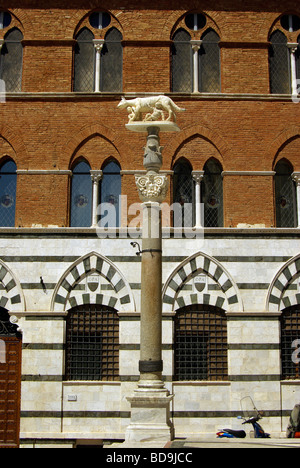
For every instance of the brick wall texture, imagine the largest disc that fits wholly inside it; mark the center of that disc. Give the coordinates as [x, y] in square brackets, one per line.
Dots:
[48, 127]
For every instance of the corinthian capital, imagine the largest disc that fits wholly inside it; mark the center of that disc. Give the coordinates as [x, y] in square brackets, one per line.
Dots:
[152, 187]
[296, 178]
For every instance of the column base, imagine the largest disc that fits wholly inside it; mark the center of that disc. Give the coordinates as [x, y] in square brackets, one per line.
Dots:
[150, 414]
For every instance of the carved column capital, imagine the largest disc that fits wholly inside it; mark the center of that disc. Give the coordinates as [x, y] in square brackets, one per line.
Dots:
[196, 45]
[197, 176]
[98, 44]
[296, 178]
[152, 187]
[96, 176]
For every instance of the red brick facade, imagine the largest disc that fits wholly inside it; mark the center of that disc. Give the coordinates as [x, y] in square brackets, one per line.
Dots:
[47, 127]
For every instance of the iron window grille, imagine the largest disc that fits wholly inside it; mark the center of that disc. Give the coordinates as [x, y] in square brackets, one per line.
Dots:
[11, 61]
[290, 331]
[92, 345]
[8, 189]
[201, 344]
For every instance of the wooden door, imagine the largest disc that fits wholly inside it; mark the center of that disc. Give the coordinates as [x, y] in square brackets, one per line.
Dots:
[10, 389]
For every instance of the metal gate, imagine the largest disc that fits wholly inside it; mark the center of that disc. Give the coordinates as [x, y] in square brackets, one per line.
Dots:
[10, 384]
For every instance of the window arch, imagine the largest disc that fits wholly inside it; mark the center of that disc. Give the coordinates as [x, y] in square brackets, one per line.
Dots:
[98, 63]
[11, 61]
[285, 195]
[183, 194]
[196, 63]
[84, 61]
[81, 196]
[92, 343]
[201, 344]
[212, 194]
[290, 332]
[110, 195]
[112, 62]
[209, 63]
[182, 64]
[280, 67]
[8, 191]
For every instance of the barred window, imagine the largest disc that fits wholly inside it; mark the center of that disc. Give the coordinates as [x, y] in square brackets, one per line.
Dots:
[183, 194]
[92, 345]
[201, 344]
[8, 190]
[110, 195]
[212, 194]
[285, 196]
[81, 196]
[280, 65]
[290, 333]
[11, 61]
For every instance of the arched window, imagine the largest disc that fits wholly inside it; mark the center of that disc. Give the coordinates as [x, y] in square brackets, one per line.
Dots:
[290, 336]
[212, 194]
[183, 194]
[11, 61]
[182, 63]
[196, 63]
[8, 190]
[285, 195]
[92, 344]
[110, 195]
[81, 196]
[201, 344]
[112, 62]
[84, 62]
[209, 63]
[280, 66]
[98, 63]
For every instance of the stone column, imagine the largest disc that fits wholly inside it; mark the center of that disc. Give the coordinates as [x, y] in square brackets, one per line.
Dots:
[293, 48]
[296, 179]
[196, 47]
[96, 177]
[197, 177]
[150, 404]
[98, 44]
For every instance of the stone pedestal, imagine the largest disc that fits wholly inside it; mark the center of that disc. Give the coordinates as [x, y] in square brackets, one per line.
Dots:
[150, 414]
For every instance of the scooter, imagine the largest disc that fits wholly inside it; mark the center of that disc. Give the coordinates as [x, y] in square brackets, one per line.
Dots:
[253, 419]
